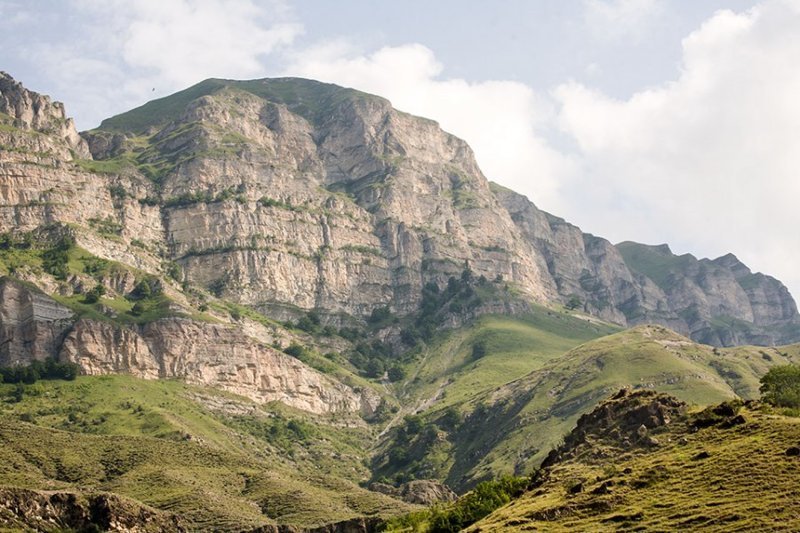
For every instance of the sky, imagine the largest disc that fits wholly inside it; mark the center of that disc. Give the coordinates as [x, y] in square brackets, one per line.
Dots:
[656, 121]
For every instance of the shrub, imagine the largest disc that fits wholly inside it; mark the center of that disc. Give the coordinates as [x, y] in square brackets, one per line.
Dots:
[351, 334]
[574, 302]
[93, 296]
[175, 271]
[18, 393]
[482, 500]
[55, 259]
[49, 369]
[375, 368]
[141, 291]
[295, 350]
[409, 336]
[379, 315]
[781, 386]
[479, 350]
[396, 373]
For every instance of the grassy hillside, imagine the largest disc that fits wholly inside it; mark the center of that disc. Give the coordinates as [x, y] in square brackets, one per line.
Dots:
[512, 346]
[214, 458]
[305, 97]
[509, 429]
[727, 477]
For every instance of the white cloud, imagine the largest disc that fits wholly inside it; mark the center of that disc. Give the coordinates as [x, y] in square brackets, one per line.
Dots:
[617, 19]
[500, 119]
[183, 42]
[709, 161]
[127, 49]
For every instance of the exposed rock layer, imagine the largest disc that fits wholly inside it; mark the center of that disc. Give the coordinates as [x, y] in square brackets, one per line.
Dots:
[33, 326]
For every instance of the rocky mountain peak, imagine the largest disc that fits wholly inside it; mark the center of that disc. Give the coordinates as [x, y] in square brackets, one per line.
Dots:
[28, 110]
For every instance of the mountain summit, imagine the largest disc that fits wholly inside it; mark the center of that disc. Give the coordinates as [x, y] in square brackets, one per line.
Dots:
[288, 195]
[388, 202]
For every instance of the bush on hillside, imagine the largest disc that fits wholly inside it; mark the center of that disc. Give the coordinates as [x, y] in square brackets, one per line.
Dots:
[480, 502]
[47, 369]
[781, 386]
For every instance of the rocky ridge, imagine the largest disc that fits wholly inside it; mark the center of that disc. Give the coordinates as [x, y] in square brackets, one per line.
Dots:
[290, 195]
[719, 302]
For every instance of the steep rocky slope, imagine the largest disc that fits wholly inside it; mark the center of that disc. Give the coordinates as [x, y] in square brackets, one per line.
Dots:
[719, 302]
[34, 326]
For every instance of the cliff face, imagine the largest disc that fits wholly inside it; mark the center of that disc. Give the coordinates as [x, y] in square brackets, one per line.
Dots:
[719, 302]
[208, 354]
[287, 195]
[298, 192]
[34, 326]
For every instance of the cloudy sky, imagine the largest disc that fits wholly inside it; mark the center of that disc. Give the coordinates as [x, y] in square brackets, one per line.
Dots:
[650, 120]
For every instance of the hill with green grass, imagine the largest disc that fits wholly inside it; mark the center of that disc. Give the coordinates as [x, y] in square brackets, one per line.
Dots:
[466, 438]
[733, 467]
[213, 459]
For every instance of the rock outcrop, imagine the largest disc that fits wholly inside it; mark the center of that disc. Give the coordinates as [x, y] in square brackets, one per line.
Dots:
[419, 491]
[208, 354]
[35, 113]
[622, 421]
[32, 325]
[51, 511]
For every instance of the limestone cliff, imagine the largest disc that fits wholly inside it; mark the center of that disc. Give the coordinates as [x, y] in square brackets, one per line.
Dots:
[303, 193]
[208, 354]
[34, 326]
[719, 302]
[288, 195]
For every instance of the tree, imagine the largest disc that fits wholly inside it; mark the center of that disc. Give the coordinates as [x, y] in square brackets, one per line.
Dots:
[574, 302]
[479, 350]
[375, 368]
[781, 386]
[379, 314]
[18, 393]
[93, 296]
[141, 291]
[295, 350]
[396, 373]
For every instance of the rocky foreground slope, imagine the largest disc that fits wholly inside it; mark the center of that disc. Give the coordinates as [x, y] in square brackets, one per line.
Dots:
[639, 461]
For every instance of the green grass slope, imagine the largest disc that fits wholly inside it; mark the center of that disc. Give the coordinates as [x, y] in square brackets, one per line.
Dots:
[449, 371]
[721, 478]
[509, 429]
[218, 460]
[308, 98]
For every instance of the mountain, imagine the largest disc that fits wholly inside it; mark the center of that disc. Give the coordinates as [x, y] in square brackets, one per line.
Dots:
[287, 195]
[292, 305]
